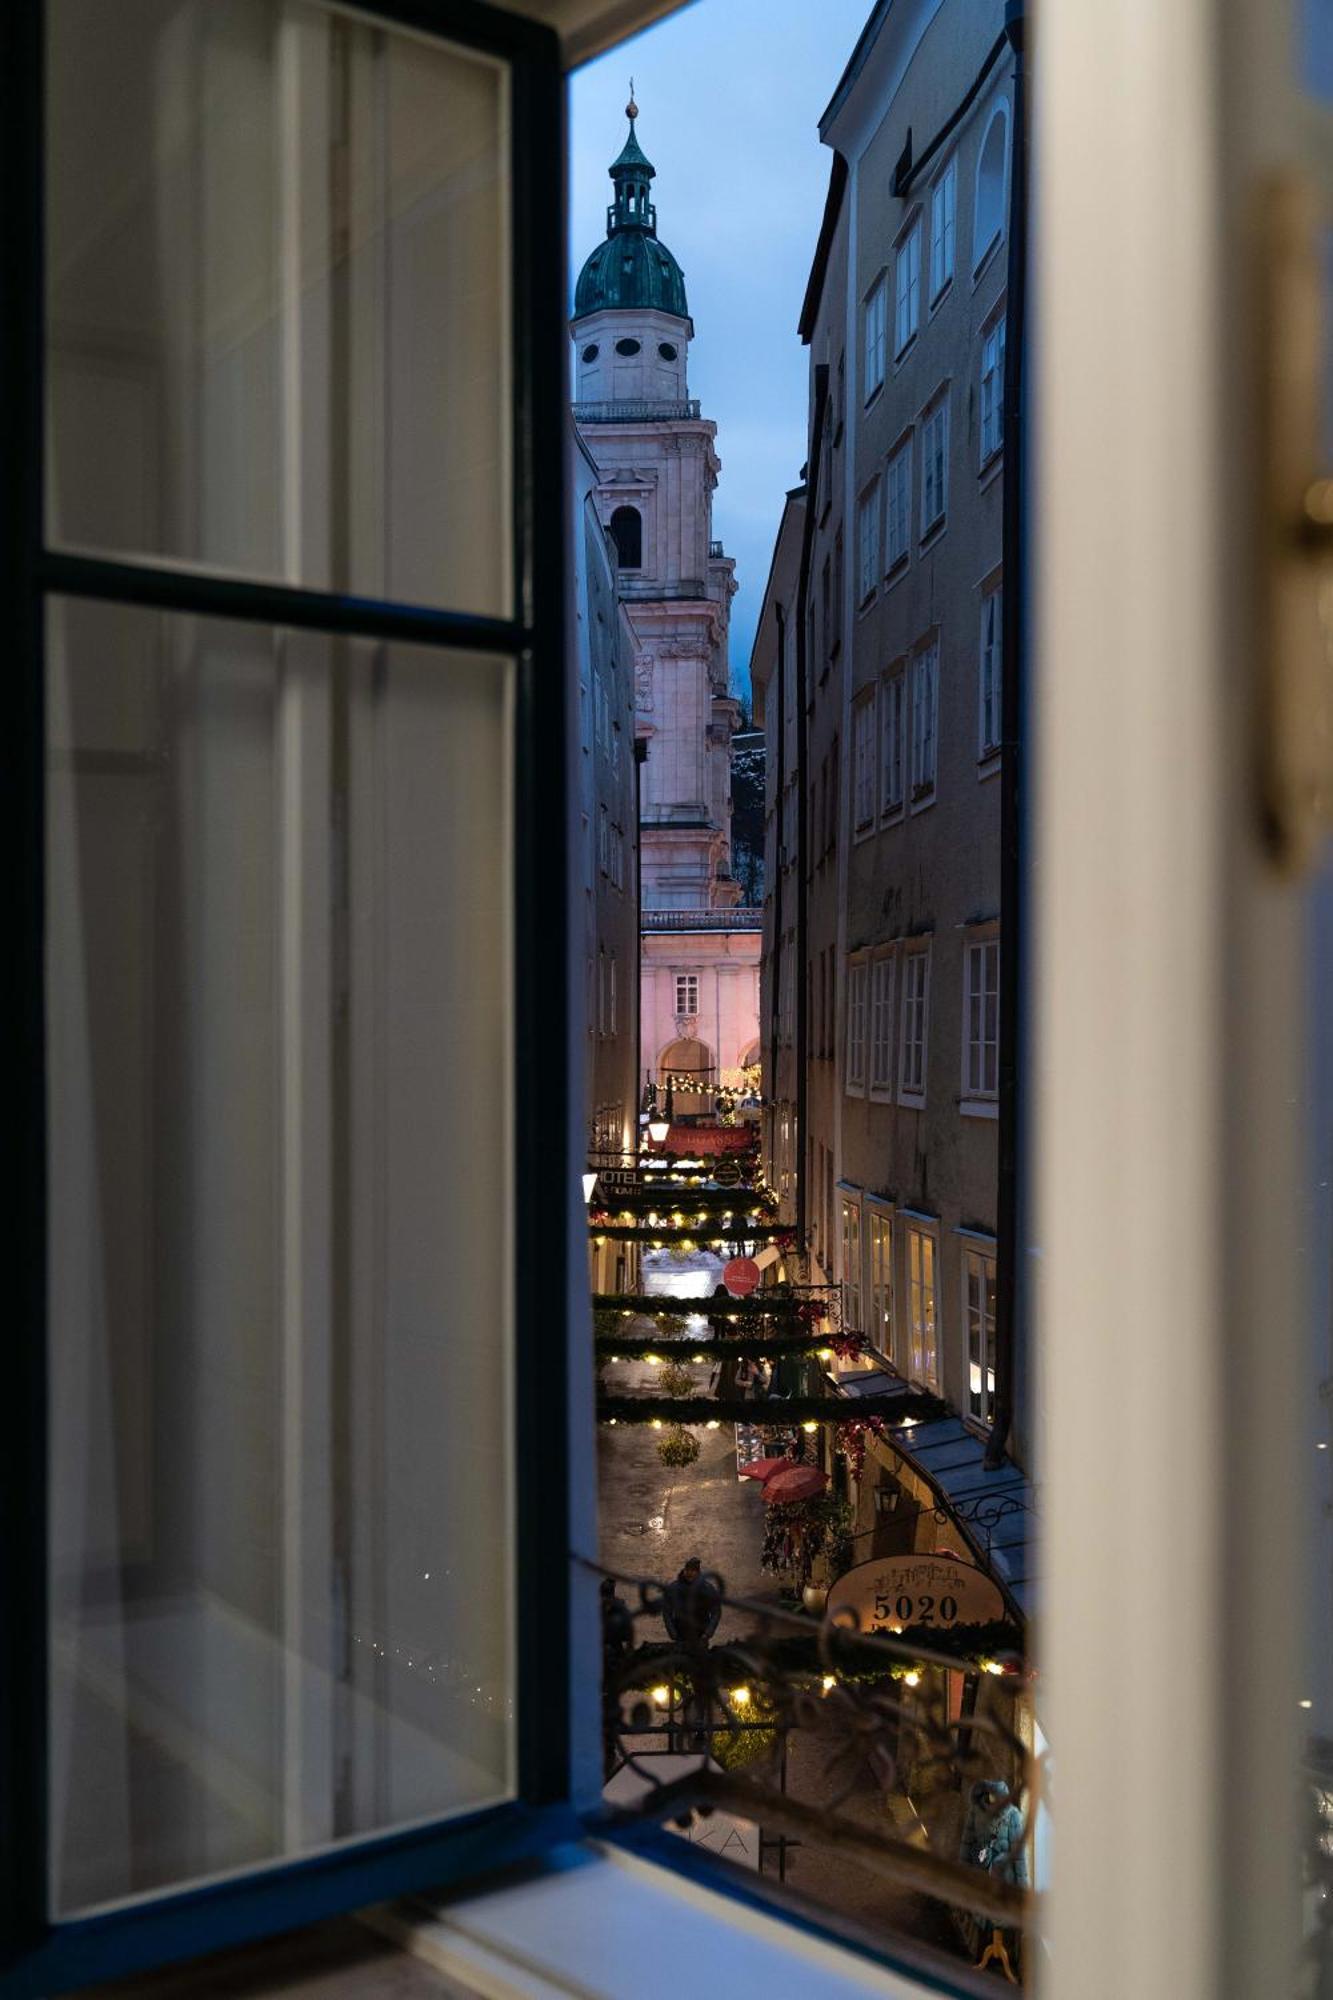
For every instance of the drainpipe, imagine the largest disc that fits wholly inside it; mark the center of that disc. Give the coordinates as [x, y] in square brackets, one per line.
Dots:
[775, 997]
[802, 802]
[1014, 637]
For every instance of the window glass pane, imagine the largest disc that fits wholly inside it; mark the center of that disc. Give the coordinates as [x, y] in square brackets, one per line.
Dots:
[278, 1019]
[278, 297]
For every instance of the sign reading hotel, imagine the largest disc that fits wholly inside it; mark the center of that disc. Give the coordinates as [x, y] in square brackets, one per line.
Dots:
[897, 1591]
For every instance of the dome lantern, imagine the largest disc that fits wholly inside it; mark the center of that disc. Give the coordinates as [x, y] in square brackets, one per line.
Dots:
[632, 269]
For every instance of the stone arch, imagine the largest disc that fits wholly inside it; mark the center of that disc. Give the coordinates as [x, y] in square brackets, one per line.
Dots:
[627, 534]
[687, 1056]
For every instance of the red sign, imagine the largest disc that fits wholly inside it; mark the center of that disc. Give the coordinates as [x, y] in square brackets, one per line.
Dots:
[741, 1276]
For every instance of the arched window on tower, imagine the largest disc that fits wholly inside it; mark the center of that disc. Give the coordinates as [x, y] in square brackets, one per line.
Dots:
[627, 532]
[989, 211]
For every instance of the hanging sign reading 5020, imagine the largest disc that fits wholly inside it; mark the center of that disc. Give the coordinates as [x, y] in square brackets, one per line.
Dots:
[898, 1591]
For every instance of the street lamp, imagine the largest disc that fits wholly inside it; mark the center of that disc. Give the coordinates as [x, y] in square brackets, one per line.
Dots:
[589, 1183]
[659, 1124]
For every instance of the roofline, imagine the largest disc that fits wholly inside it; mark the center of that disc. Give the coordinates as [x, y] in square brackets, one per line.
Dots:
[814, 290]
[856, 62]
[796, 496]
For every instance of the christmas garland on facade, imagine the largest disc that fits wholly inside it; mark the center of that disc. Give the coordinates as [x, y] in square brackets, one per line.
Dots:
[769, 1304]
[892, 1408]
[617, 1346]
[831, 1651]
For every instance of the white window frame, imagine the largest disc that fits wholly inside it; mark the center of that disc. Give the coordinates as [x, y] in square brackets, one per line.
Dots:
[914, 1027]
[990, 398]
[907, 286]
[880, 1019]
[923, 776]
[898, 507]
[978, 1271]
[922, 1329]
[867, 541]
[894, 715]
[864, 763]
[687, 982]
[990, 674]
[934, 428]
[943, 228]
[982, 251]
[849, 1256]
[854, 1066]
[874, 313]
[880, 1240]
[981, 1050]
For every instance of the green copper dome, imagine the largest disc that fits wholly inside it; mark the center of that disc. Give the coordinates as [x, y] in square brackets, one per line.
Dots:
[631, 269]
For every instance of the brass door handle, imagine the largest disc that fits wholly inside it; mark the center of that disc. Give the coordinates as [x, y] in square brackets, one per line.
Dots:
[1296, 690]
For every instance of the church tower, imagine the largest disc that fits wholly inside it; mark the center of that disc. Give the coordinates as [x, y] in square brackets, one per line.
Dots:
[658, 469]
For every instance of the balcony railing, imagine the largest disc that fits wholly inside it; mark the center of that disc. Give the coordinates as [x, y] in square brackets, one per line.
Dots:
[744, 917]
[638, 410]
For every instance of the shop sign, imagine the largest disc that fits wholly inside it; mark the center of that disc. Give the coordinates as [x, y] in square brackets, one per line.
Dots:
[897, 1591]
[740, 1276]
[618, 1177]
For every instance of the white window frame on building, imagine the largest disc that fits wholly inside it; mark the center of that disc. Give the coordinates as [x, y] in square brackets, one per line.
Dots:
[977, 1300]
[907, 285]
[687, 988]
[867, 541]
[914, 1036]
[855, 1065]
[943, 228]
[921, 1261]
[879, 1232]
[981, 1024]
[898, 507]
[934, 428]
[989, 217]
[880, 1036]
[849, 1255]
[925, 714]
[864, 762]
[874, 313]
[990, 398]
[990, 680]
[893, 748]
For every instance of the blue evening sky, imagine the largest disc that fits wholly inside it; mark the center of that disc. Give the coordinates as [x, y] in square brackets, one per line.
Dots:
[729, 95]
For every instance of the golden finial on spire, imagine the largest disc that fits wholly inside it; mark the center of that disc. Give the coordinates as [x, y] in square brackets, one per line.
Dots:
[631, 109]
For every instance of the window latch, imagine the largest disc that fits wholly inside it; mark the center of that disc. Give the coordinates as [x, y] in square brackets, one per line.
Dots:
[1296, 693]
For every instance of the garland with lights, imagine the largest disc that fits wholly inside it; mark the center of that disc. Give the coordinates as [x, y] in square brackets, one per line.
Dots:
[918, 1405]
[693, 1235]
[726, 1096]
[761, 1305]
[833, 1654]
[731, 1347]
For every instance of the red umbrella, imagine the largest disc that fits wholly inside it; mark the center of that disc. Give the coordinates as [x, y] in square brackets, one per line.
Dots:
[795, 1482]
[763, 1468]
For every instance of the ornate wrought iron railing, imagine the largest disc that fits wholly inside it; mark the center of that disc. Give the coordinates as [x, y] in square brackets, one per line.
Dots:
[721, 1686]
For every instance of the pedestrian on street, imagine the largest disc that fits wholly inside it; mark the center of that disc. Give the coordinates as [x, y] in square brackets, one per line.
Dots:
[691, 1606]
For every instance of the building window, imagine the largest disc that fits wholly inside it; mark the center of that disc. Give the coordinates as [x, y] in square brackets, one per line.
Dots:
[603, 840]
[916, 1007]
[943, 208]
[925, 706]
[992, 391]
[935, 467]
[867, 542]
[923, 1354]
[880, 1327]
[627, 534]
[863, 761]
[898, 486]
[875, 309]
[979, 1333]
[907, 288]
[851, 1264]
[837, 594]
[687, 992]
[627, 347]
[989, 717]
[891, 742]
[988, 212]
[981, 1028]
[881, 1025]
[611, 995]
[856, 1026]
